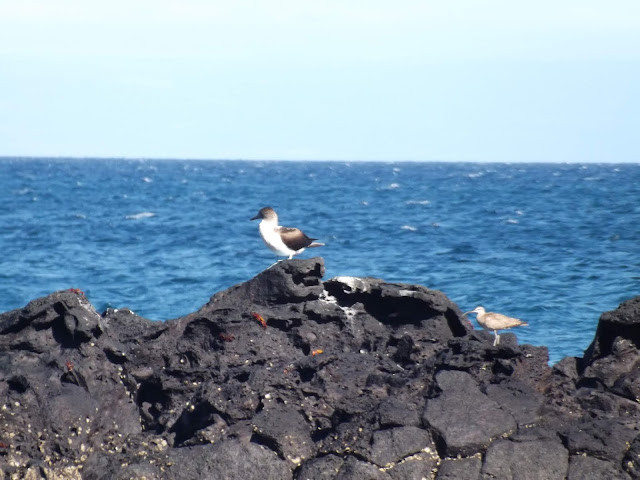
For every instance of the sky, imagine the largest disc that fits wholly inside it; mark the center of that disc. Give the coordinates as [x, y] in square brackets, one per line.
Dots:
[418, 80]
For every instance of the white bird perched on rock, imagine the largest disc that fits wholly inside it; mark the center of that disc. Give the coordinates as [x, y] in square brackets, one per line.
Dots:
[495, 321]
[283, 241]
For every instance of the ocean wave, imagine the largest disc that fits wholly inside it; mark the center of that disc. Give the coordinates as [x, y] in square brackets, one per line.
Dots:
[140, 216]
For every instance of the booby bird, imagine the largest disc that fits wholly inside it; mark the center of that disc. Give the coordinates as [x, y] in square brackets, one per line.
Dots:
[283, 241]
[495, 321]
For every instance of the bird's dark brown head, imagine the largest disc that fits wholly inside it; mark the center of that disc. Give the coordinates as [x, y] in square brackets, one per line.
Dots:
[267, 213]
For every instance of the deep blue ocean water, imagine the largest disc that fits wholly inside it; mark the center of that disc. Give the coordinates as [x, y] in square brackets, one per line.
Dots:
[553, 244]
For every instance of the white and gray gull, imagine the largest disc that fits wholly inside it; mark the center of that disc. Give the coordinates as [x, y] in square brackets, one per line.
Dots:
[495, 321]
[283, 241]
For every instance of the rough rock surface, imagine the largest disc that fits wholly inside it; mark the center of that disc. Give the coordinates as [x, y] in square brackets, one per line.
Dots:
[288, 376]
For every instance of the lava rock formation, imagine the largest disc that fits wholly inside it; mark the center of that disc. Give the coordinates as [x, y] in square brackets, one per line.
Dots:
[288, 376]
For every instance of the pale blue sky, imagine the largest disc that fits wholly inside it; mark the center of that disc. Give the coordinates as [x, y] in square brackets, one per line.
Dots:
[464, 80]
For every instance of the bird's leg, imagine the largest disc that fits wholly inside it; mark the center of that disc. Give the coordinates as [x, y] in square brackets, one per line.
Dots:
[496, 341]
[290, 256]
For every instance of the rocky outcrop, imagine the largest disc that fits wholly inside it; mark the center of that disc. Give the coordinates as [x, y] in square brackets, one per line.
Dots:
[288, 376]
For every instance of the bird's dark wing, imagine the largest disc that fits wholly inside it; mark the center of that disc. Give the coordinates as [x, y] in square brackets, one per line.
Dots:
[294, 238]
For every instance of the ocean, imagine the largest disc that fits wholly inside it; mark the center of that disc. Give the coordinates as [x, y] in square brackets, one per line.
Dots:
[553, 244]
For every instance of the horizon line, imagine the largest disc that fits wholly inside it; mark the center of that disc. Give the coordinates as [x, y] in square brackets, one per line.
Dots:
[329, 160]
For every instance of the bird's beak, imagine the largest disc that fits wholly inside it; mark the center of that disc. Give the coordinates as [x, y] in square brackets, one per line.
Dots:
[467, 313]
[256, 217]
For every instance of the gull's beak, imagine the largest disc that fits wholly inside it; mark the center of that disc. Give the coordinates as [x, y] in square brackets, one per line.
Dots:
[256, 217]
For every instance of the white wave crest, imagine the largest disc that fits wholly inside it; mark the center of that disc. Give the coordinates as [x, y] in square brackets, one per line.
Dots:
[140, 216]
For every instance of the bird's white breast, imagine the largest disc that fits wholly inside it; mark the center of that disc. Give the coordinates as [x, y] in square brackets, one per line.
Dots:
[272, 239]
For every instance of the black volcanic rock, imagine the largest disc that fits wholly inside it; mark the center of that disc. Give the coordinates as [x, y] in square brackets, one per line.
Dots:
[287, 376]
[464, 418]
[460, 469]
[613, 358]
[531, 458]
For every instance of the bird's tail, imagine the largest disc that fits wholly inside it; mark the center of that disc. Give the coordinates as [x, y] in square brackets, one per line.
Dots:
[315, 244]
[524, 324]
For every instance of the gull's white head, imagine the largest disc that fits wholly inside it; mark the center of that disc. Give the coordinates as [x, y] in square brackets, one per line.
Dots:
[479, 310]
